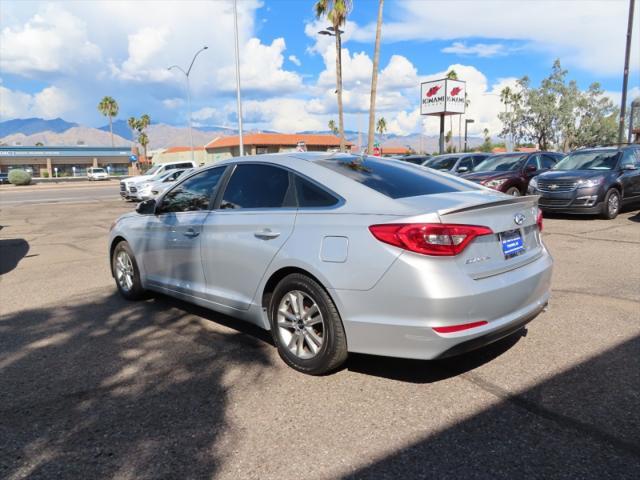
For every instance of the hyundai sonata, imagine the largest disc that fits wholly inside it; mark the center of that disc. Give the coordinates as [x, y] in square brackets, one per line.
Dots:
[335, 253]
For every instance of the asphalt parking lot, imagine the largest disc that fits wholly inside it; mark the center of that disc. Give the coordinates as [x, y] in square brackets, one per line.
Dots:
[93, 386]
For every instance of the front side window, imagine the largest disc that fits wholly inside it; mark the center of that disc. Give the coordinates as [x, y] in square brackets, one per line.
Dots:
[311, 195]
[443, 163]
[258, 186]
[466, 163]
[548, 162]
[533, 162]
[193, 194]
[628, 158]
[394, 179]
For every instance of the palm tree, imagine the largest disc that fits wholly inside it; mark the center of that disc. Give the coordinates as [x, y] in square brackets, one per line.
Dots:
[109, 108]
[332, 127]
[144, 141]
[336, 12]
[143, 138]
[374, 79]
[381, 127]
[133, 125]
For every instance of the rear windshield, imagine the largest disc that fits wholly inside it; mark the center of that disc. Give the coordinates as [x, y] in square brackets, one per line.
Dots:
[393, 178]
[97, 170]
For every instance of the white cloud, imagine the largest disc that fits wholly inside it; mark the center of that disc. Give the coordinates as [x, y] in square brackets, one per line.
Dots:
[478, 49]
[589, 35]
[260, 69]
[52, 41]
[144, 47]
[282, 114]
[295, 60]
[50, 102]
[173, 103]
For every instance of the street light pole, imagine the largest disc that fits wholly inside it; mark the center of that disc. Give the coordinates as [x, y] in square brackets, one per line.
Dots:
[625, 77]
[235, 28]
[467, 121]
[186, 74]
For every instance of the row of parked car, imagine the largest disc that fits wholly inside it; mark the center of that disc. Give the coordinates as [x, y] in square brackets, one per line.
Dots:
[589, 181]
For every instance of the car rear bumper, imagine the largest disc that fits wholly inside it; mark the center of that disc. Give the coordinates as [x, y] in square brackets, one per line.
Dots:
[397, 317]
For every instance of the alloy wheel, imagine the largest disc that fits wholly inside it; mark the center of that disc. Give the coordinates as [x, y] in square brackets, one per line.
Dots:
[300, 324]
[613, 204]
[124, 270]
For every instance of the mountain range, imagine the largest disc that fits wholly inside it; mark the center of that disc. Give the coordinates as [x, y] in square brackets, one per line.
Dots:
[59, 132]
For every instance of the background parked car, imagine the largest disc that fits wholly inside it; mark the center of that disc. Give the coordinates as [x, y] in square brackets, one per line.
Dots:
[4, 178]
[456, 163]
[510, 173]
[595, 181]
[158, 184]
[95, 173]
[128, 188]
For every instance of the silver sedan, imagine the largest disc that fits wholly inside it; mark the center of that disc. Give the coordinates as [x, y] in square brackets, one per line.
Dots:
[335, 253]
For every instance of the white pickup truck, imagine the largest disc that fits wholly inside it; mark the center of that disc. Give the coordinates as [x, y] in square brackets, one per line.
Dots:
[128, 186]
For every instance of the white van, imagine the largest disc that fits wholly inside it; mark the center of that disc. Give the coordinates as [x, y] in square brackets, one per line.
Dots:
[154, 172]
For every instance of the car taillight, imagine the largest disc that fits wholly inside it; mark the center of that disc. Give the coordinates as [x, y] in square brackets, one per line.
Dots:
[439, 239]
[539, 220]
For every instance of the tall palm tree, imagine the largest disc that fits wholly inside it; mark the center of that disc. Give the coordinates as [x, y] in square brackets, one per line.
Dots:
[143, 138]
[336, 12]
[374, 79]
[109, 108]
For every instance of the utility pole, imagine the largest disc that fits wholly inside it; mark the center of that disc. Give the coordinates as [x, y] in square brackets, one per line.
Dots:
[625, 78]
[235, 27]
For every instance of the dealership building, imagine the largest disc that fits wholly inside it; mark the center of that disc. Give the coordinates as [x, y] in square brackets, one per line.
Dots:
[65, 161]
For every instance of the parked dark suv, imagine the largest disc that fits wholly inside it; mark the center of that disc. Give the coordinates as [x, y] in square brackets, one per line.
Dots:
[510, 173]
[594, 181]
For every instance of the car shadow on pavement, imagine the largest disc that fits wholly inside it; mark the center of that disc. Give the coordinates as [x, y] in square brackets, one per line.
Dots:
[108, 388]
[12, 250]
[429, 371]
[582, 423]
[635, 218]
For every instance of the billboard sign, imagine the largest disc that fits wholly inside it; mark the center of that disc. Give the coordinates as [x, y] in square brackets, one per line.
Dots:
[442, 97]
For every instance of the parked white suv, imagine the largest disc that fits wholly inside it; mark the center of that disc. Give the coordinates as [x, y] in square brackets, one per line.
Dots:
[95, 173]
[128, 188]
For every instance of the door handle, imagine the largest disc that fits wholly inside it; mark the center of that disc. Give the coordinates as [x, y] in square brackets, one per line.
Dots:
[191, 233]
[266, 234]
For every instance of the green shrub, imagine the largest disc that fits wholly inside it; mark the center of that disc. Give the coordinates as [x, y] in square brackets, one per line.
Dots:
[19, 177]
[45, 175]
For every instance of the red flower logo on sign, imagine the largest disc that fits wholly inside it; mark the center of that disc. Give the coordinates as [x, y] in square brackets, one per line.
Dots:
[433, 90]
[455, 91]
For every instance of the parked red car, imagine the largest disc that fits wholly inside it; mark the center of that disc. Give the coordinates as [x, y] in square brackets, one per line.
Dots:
[510, 173]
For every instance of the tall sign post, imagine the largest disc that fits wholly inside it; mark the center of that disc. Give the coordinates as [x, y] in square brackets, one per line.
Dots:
[442, 97]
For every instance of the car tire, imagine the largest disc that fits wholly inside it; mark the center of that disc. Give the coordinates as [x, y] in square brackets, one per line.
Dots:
[306, 326]
[611, 204]
[513, 191]
[126, 272]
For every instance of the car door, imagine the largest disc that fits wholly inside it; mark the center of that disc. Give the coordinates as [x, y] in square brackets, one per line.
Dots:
[630, 179]
[254, 219]
[172, 251]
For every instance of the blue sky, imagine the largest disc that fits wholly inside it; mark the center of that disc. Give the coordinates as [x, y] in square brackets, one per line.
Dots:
[60, 58]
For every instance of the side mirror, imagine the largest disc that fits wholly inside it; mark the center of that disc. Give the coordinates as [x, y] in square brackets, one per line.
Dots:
[147, 207]
[530, 168]
[463, 169]
[629, 166]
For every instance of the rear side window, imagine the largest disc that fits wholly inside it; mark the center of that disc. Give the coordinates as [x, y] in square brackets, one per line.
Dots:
[258, 186]
[183, 165]
[311, 195]
[393, 178]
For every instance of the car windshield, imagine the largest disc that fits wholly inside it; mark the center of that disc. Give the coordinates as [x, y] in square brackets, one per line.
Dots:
[153, 170]
[443, 163]
[500, 163]
[395, 179]
[594, 160]
[98, 170]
